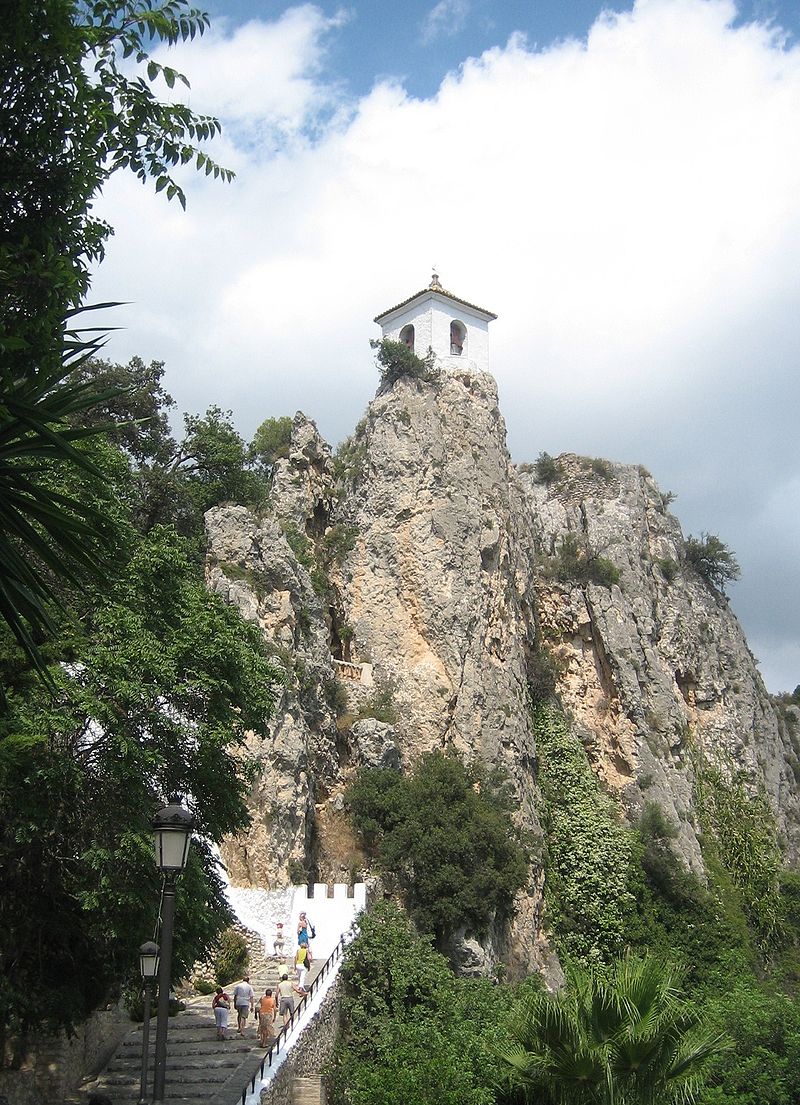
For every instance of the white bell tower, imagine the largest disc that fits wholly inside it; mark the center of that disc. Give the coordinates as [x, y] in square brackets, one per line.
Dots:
[456, 331]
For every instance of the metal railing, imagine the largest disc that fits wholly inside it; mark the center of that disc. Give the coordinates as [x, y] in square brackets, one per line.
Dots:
[296, 1014]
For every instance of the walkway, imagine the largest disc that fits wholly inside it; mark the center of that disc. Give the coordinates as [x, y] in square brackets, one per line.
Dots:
[202, 1070]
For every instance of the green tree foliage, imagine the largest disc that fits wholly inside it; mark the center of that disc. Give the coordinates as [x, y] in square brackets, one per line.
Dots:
[411, 1031]
[622, 1037]
[741, 831]
[396, 360]
[546, 469]
[711, 559]
[762, 1066]
[445, 835]
[157, 683]
[48, 534]
[176, 481]
[231, 959]
[76, 104]
[270, 442]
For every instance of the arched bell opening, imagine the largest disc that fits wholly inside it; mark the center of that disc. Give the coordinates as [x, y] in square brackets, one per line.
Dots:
[407, 336]
[458, 338]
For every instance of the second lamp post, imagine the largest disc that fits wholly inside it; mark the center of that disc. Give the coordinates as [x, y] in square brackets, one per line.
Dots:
[172, 828]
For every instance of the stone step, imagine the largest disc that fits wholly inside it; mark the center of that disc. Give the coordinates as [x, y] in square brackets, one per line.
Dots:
[307, 1091]
[201, 1070]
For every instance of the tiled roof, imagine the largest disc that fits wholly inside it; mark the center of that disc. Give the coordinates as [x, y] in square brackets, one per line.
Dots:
[434, 286]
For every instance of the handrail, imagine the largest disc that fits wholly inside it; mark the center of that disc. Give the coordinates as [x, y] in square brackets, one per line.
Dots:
[250, 1085]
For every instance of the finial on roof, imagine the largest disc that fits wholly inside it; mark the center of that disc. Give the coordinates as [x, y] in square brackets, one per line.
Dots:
[435, 286]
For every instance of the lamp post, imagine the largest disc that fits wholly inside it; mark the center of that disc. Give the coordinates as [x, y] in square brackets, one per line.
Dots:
[172, 829]
[148, 965]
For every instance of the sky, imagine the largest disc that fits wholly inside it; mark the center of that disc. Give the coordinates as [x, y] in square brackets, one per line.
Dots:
[620, 183]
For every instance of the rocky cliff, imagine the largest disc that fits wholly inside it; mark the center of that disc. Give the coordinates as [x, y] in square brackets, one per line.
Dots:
[417, 586]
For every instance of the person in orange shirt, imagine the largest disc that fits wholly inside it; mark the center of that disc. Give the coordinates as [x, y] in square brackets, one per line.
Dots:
[267, 1012]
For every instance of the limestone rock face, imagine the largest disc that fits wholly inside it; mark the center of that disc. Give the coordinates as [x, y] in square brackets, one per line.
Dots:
[409, 588]
[251, 566]
[655, 669]
[438, 587]
[301, 485]
[374, 745]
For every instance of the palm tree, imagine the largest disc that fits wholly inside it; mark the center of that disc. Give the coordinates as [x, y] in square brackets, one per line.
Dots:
[624, 1037]
[48, 536]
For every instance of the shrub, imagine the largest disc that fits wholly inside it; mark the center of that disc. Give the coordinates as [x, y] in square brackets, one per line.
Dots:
[668, 568]
[297, 872]
[411, 1031]
[576, 563]
[590, 854]
[271, 441]
[541, 675]
[445, 837]
[546, 469]
[711, 559]
[395, 360]
[602, 468]
[232, 957]
[380, 704]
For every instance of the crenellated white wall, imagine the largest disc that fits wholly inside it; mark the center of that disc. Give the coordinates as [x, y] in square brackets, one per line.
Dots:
[260, 911]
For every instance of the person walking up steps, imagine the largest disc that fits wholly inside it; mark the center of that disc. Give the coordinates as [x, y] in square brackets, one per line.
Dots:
[244, 1001]
[305, 930]
[267, 1012]
[221, 1004]
[302, 962]
[286, 992]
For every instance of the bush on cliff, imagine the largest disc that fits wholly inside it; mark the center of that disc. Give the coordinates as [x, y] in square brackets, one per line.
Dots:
[711, 559]
[445, 838]
[396, 360]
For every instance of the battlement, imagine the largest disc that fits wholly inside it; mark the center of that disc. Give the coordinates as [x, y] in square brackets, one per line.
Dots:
[338, 891]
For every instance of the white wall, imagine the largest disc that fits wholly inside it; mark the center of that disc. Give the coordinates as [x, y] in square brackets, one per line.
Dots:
[260, 911]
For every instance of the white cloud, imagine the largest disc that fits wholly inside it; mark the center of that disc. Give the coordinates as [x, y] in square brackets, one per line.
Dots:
[628, 206]
[445, 19]
[263, 79]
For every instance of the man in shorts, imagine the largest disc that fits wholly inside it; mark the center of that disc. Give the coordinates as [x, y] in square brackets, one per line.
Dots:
[244, 1002]
[286, 994]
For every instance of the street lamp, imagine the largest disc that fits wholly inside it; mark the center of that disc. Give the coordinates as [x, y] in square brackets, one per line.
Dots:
[148, 965]
[172, 829]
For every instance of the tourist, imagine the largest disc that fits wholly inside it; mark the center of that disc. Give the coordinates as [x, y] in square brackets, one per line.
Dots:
[267, 1012]
[305, 930]
[221, 1004]
[278, 942]
[244, 1002]
[302, 963]
[286, 994]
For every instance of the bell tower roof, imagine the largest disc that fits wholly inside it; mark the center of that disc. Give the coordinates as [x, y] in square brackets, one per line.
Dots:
[434, 289]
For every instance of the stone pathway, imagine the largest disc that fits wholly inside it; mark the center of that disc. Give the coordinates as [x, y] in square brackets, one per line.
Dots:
[201, 1070]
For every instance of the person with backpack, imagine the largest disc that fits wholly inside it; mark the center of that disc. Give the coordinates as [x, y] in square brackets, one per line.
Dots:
[302, 962]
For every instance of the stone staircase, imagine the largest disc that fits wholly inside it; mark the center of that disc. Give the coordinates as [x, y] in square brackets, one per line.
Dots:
[201, 1070]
